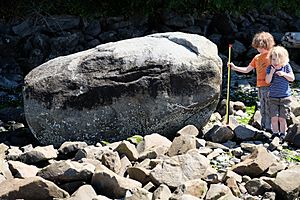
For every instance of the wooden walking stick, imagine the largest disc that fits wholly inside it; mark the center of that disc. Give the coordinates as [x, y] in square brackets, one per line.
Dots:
[228, 84]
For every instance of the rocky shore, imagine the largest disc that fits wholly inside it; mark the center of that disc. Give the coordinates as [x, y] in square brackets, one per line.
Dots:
[227, 162]
[217, 162]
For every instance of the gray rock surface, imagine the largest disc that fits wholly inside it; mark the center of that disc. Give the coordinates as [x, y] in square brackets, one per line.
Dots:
[157, 83]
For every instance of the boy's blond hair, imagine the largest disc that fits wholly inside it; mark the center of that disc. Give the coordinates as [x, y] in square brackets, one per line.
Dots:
[263, 40]
[280, 54]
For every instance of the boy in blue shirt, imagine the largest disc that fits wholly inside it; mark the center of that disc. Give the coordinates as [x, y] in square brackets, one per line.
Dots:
[279, 74]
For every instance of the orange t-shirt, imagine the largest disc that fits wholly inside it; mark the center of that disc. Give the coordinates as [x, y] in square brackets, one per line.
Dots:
[260, 62]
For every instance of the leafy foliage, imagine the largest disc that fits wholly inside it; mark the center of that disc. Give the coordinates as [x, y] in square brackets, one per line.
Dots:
[135, 139]
[290, 156]
[248, 97]
[105, 142]
[95, 8]
[295, 84]
[250, 110]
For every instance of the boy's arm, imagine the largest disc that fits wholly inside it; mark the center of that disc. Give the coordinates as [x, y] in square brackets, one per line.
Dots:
[270, 72]
[289, 76]
[241, 69]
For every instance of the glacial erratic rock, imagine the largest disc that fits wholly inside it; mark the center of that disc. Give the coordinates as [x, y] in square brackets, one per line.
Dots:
[157, 83]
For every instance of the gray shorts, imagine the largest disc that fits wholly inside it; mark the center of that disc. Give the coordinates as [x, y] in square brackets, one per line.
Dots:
[280, 107]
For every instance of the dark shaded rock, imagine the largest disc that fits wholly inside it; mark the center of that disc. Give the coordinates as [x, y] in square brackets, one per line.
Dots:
[293, 135]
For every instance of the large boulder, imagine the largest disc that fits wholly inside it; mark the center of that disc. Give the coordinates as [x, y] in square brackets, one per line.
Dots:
[157, 83]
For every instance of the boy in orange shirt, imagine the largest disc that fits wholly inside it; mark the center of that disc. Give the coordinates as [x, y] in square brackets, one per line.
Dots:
[262, 42]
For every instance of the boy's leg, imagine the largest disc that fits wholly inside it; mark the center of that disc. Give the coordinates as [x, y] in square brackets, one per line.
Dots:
[263, 95]
[283, 125]
[275, 128]
[274, 112]
[284, 113]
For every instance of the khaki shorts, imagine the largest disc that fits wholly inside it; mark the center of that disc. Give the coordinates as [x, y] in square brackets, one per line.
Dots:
[280, 107]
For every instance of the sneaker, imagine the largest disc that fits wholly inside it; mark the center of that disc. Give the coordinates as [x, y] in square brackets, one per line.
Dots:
[282, 137]
[268, 130]
[275, 135]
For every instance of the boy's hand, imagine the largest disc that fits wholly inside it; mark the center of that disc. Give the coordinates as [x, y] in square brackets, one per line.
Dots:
[231, 65]
[272, 70]
[280, 73]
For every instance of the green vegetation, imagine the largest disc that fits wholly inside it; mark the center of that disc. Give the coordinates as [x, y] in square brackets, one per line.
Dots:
[135, 139]
[95, 8]
[295, 88]
[244, 6]
[295, 84]
[250, 110]
[290, 156]
[248, 97]
[105, 142]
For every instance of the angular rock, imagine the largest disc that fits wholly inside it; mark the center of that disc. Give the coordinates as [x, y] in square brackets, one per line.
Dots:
[245, 132]
[291, 39]
[187, 197]
[275, 168]
[196, 188]
[217, 191]
[219, 134]
[125, 164]
[90, 152]
[286, 184]
[257, 187]
[254, 165]
[293, 135]
[110, 184]
[139, 173]
[66, 171]
[24, 29]
[112, 161]
[153, 140]
[269, 196]
[21, 170]
[295, 106]
[162, 192]
[101, 197]
[235, 176]
[39, 154]
[60, 23]
[154, 152]
[3, 149]
[84, 192]
[189, 130]
[68, 147]
[4, 169]
[178, 169]
[13, 153]
[34, 188]
[149, 187]
[182, 144]
[128, 149]
[139, 194]
[232, 184]
[71, 187]
[153, 146]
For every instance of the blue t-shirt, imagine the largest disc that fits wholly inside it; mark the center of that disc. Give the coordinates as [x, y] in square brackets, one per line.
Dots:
[280, 87]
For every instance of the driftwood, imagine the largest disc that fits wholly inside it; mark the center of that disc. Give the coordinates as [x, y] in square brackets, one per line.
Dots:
[291, 40]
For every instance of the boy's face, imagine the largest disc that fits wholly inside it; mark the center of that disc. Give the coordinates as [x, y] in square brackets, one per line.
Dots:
[275, 61]
[262, 50]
